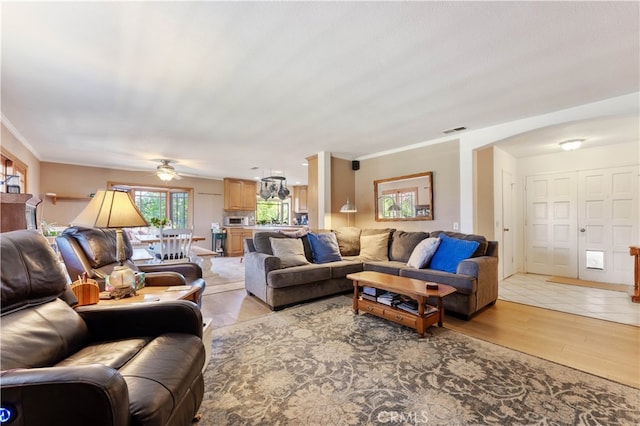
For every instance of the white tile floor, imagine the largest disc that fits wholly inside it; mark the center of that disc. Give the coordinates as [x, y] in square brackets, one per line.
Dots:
[534, 290]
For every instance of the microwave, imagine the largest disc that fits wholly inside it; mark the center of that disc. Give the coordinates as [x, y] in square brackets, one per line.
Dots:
[236, 220]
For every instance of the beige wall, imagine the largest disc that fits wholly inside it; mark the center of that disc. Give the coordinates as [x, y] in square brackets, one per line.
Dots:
[342, 187]
[80, 181]
[484, 190]
[442, 159]
[15, 147]
[312, 191]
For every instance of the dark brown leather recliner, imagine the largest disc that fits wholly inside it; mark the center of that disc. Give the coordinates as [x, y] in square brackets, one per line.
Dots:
[129, 364]
[93, 250]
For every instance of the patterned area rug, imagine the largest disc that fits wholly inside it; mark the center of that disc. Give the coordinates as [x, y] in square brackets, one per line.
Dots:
[319, 364]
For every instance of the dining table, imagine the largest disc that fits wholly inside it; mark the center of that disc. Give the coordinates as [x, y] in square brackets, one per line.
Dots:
[147, 239]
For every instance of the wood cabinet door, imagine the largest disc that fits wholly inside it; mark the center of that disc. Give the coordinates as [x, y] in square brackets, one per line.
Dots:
[249, 193]
[235, 242]
[300, 199]
[233, 198]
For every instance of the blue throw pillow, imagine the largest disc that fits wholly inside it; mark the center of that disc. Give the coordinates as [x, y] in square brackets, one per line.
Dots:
[324, 247]
[452, 251]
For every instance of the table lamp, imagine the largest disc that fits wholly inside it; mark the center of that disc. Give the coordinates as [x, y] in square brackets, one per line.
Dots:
[114, 210]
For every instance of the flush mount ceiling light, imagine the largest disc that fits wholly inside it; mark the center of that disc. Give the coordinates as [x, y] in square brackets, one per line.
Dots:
[572, 144]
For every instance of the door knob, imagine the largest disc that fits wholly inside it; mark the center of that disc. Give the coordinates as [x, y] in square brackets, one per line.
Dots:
[582, 230]
[506, 229]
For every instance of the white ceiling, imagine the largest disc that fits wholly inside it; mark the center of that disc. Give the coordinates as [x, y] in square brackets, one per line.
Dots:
[221, 87]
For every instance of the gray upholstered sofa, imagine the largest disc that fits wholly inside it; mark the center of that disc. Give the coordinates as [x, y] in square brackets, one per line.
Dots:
[475, 279]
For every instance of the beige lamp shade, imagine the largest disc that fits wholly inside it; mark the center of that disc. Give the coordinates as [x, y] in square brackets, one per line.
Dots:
[110, 209]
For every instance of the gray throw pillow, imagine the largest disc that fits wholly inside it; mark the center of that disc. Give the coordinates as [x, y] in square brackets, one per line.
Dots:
[289, 250]
[423, 253]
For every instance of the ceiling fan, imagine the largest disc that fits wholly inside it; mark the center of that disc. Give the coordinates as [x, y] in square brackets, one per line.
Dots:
[166, 171]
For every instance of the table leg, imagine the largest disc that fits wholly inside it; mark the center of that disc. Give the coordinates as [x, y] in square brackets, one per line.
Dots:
[356, 293]
[440, 311]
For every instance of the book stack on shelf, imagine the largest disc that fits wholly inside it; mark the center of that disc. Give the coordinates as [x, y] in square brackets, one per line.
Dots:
[370, 293]
[388, 298]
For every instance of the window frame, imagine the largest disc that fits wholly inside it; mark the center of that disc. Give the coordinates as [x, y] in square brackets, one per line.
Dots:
[168, 191]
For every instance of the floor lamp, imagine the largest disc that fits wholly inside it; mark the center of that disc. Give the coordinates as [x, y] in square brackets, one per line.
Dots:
[114, 210]
[348, 208]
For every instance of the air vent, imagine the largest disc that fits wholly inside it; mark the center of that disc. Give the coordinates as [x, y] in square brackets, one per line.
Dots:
[457, 129]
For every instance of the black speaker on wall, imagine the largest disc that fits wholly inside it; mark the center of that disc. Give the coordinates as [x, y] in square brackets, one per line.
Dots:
[355, 165]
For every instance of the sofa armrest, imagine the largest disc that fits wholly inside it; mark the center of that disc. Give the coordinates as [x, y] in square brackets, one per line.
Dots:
[111, 322]
[485, 269]
[256, 268]
[164, 279]
[79, 395]
[191, 271]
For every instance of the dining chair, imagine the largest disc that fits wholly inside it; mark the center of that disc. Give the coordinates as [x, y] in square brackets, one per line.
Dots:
[175, 244]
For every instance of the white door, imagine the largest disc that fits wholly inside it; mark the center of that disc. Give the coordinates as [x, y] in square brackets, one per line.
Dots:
[551, 224]
[508, 231]
[608, 224]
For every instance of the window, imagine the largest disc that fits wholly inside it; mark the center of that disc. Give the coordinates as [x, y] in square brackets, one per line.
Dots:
[399, 203]
[156, 202]
[273, 211]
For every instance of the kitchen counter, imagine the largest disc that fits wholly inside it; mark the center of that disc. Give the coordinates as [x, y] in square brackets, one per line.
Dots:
[274, 227]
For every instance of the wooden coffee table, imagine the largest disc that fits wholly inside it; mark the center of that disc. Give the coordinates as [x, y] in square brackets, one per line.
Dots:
[160, 293]
[410, 287]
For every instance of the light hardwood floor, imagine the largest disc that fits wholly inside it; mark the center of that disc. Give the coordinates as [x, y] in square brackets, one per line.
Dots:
[599, 347]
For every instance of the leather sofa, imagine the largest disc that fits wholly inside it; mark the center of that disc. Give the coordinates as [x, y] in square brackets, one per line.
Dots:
[475, 279]
[137, 364]
[93, 251]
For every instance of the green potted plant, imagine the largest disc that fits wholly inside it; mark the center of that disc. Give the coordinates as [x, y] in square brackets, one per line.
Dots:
[156, 222]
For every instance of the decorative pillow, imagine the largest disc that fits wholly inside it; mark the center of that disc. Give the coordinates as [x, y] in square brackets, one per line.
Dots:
[262, 241]
[348, 240]
[483, 243]
[374, 247]
[450, 252]
[403, 243]
[289, 250]
[423, 252]
[324, 247]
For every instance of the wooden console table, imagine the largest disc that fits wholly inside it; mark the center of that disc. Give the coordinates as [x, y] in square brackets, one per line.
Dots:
[635, 251]
[415, 289]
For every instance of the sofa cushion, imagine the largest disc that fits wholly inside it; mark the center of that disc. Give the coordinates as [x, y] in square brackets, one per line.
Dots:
[344, 267]
[324, 247]
[298, 275]
[262, 241]
[423, 252]
[114, 354]
[403, 243]
[348, 240]
[160, 376]
[450, 252]
[374, 247]
[483, 243]
[99, 245]
[387, 267]
[464, 284]
[289, 250]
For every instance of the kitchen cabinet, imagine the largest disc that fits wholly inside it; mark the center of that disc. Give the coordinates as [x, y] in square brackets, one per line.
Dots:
[235, 240]
[239, 194]
[300, 199]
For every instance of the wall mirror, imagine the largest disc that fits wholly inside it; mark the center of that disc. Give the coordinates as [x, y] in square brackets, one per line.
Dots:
[404, 198]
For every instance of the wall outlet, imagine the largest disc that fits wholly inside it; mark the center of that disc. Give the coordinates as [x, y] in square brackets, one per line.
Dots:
[456, 226]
